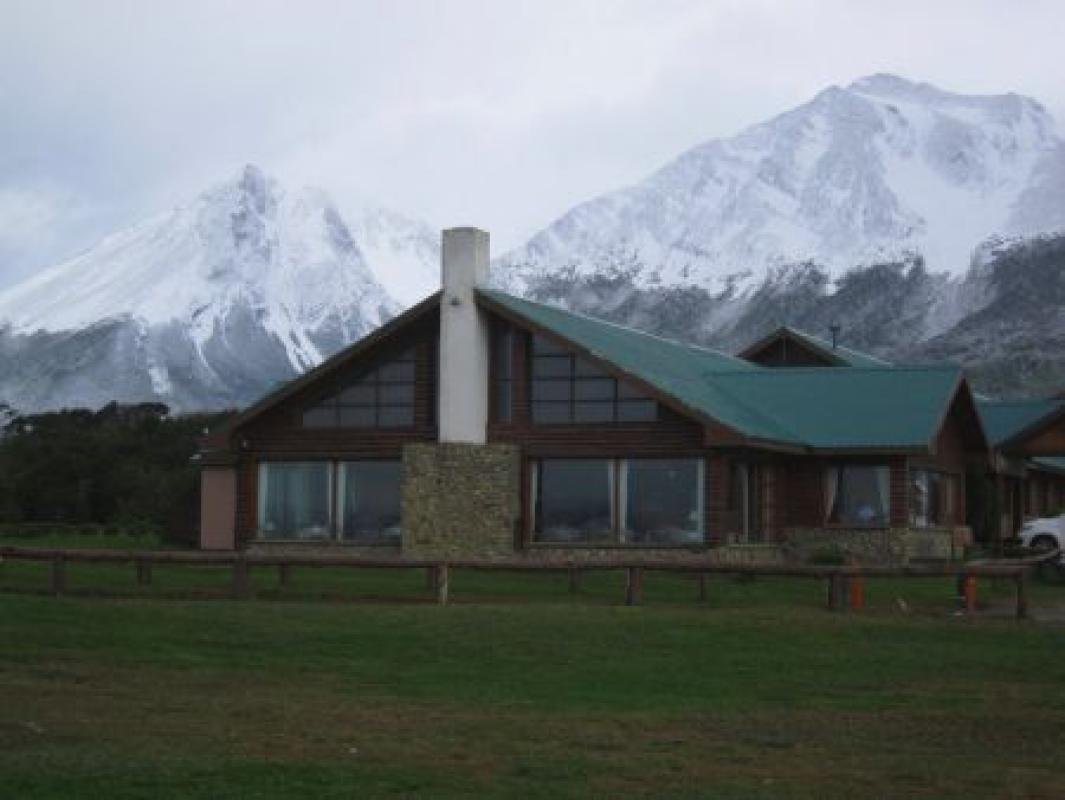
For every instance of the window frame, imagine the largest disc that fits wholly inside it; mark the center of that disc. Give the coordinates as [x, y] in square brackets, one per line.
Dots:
[618, 470]
[334, 535]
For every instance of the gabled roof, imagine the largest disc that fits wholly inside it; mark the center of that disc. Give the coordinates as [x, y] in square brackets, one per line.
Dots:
[332, 364]
[839, 355]
[821, 408]
[1004, 419]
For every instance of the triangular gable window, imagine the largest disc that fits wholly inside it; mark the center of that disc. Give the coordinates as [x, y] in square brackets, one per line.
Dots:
[382, 397]
[567, 389]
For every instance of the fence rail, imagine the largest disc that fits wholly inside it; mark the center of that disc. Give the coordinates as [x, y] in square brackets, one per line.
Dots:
[844, 583]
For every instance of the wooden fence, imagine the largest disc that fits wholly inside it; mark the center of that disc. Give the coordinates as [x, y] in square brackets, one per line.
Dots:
[844, 584]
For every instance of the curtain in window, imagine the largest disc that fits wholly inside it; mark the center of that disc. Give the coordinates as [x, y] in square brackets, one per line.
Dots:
[859, 494]
[294, 500]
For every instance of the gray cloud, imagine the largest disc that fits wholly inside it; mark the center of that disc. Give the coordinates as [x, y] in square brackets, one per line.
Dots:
[500, 114]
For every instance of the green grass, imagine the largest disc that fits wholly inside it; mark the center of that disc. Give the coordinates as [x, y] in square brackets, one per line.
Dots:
[519, 690]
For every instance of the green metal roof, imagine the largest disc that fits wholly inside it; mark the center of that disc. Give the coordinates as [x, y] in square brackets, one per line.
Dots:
[821, 407]
[832, 408]
[1005, 418]
[850, 357]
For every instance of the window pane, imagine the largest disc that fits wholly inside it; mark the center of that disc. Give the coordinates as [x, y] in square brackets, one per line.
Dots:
[320, 417]
[858, 495]
[504, 401]
[551, 366]
[395, 416]
[594, 389]
[558, 391]
[544, 346]
[359, 395]
[370, 499]
[503, 353]
[550, 413]
[294, 500]
[628, 391]
[396, 394]
[663, 501]
[397, 372]
[574, 500]
[637, 411]
[593, 412]
[358, 416]
[588, 369]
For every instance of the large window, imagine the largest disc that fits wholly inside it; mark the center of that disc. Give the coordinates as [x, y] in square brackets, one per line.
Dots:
[567, 389]
[297, 501]
[662, 501]
[294, 500]
[932, 497]
[618, 501]
[574, 500]
[858, 494]
[380, 398]
[369, 507]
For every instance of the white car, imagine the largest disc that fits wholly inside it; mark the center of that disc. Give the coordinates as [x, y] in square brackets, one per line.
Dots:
[1045, 533]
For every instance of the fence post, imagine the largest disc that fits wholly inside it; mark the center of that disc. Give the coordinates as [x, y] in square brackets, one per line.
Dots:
[574, 580]
[240, 577]
[702, 587]
[1021, 580]
[633, 585]
[968, 592]
[442, 579]
[856, 593]
[144, 573]
[59, 575]
[831, 592]
[284, 574]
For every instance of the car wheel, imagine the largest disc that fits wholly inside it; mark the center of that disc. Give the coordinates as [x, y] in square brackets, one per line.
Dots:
[1044, 543]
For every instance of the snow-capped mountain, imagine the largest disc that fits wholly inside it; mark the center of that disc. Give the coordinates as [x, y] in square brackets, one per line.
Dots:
[201, 307]
[881, 170]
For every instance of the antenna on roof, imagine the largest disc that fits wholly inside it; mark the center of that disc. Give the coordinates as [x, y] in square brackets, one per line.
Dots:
[835, 328]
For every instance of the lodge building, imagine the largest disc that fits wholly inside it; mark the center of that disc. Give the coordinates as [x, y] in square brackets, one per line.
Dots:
[481, 424]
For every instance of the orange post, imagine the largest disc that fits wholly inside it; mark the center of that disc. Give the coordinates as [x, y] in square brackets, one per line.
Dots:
[856, 592]
[969, 592]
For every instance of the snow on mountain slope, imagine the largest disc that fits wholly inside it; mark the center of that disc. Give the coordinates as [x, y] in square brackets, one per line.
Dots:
[403, 252]
[876, 171]
[204, 306]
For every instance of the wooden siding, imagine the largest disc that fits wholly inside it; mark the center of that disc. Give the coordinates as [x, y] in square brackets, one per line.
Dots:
[787, 352]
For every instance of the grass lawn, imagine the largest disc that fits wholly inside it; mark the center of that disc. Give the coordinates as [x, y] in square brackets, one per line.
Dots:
[517, 690]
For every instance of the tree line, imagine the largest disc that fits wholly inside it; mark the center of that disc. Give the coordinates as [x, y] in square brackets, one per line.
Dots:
[126, 466]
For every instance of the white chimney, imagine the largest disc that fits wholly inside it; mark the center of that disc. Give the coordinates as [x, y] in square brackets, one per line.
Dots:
[463, 337]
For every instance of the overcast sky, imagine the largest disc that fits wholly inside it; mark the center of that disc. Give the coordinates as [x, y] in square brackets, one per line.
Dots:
[500, 114]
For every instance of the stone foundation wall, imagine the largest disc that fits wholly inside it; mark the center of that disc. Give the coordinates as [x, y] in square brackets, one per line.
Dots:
[891, 546]
[460, 500]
